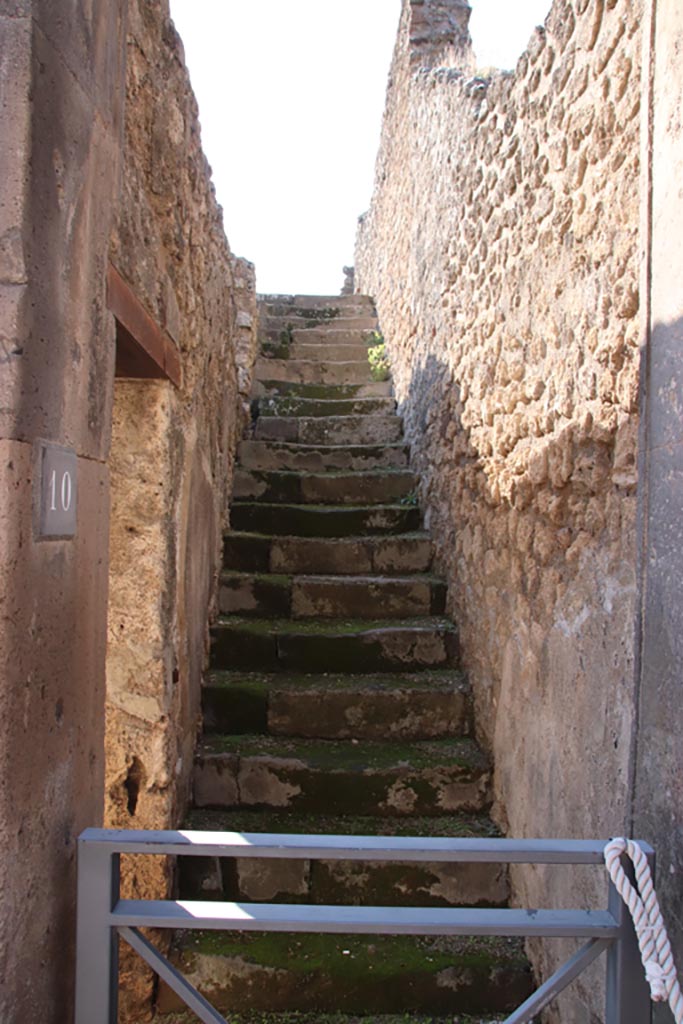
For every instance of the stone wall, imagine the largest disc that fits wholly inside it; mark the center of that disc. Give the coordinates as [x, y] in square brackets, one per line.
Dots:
[82, 185]
[61, 94]
[502, 250]
[172, 447]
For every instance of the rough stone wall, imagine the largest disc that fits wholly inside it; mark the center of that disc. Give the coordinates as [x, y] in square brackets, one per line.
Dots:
[501, 247]
[61, 94]
[172, 448]
[72, 198]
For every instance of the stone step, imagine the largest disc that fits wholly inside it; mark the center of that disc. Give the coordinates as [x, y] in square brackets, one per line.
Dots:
[336, 332]
[280, 328]
[330, 597]
[317, 973]
[370, 487]
[402, 705]
[356, 322]
[290, 405]
[320, 1017]
[279, 519]
[331, 351]
[317, 302]
[311, 371]
[389, 555]
[279, 388]
[352, 430]
[321, 458]
[282, 645]
[343, 301]
[360, 883]
[424, 778]
[283, 319]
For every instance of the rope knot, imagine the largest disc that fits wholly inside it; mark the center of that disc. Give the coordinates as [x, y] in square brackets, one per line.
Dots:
[657, 980]
[653, 941]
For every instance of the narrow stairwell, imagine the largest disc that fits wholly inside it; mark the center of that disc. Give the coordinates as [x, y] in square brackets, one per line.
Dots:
[335, 703]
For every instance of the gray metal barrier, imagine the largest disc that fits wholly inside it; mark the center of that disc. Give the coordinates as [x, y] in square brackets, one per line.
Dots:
[103, 916]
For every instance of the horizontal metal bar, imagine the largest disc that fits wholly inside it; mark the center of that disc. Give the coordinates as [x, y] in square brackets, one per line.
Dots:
[280, 917]
[173, 978]
[385, 848]
[558, 981]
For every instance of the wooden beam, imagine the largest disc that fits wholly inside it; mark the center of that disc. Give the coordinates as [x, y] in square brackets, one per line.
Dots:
[143, 349]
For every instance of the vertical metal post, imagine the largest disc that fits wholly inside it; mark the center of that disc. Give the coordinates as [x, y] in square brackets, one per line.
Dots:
[628, 993]
[97, 943]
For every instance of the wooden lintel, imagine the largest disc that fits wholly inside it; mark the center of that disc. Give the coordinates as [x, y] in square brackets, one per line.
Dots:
[143, 349]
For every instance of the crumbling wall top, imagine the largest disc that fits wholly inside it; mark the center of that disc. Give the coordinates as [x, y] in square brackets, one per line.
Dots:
[438, 33]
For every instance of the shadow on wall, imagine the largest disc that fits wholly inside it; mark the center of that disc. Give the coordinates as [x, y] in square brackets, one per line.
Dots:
[544, 593]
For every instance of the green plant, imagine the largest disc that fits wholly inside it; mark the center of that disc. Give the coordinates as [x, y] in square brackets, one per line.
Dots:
[378, 358]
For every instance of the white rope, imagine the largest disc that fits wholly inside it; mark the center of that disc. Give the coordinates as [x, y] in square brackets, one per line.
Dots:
[653, 941]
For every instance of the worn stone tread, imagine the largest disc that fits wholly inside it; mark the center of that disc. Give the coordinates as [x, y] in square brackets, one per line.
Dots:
[314, 973]
[330, 596]
[317, 520]
[287, 455]
[336, 627]
[417, 705]
[313, 371]
[428, 777]
[277, 388]
[323, 881]
[318, 645]
[341, 755]
[392, 554]
[332, 1018]
[263, 1017]
[457, 825]
[331, 487]
[292, 405]
[330, 429]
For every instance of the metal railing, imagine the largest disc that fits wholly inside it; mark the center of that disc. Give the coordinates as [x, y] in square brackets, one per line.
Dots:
[103, 916]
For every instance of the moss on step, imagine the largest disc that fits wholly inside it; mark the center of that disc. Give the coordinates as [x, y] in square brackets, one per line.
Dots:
[382, 973]
[331, 627]
[322, 314]
[332, 1018]
[312, 391]
[443, 680]
[455, 826]
[344, 755]
[324, 521]
[345, 956]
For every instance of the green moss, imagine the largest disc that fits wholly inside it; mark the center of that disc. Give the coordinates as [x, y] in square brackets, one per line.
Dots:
[331, 627]
[272, 579]
[342, 755]
[337, 1018]
[343, 957]
[312, 391]
[455, 826]
[442, 680]
[325, 313]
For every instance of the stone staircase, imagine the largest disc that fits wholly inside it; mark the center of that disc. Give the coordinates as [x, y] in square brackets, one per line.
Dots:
[335, 703]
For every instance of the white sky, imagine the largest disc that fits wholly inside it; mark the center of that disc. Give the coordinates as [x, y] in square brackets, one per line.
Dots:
[291, 94]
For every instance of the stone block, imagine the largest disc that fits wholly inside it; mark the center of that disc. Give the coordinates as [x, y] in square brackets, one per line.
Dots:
[53, 638]
[15, 153]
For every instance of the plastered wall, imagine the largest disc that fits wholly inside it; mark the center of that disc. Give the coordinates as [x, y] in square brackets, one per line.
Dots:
[502, 248]
[61, 97]
[172, 450]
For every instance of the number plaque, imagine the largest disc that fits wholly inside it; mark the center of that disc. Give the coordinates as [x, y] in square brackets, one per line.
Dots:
[58, 491]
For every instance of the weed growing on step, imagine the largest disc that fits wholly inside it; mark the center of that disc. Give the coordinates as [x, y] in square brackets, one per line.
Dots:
[378, 358]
